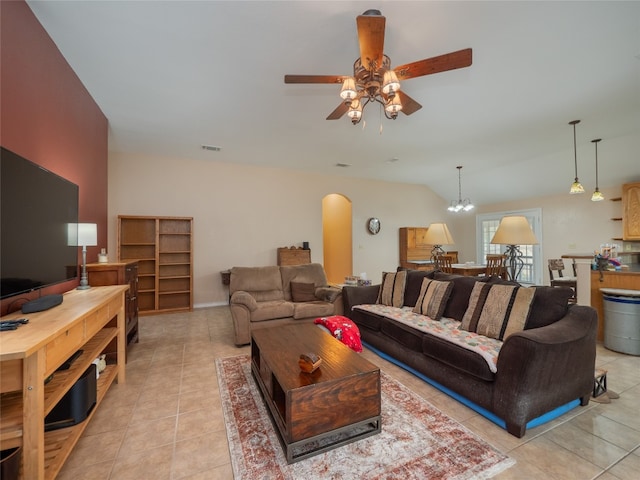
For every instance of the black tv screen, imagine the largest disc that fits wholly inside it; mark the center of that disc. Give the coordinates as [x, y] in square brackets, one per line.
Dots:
[36, 207]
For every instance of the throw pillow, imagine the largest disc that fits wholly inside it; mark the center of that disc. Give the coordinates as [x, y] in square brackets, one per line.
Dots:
[303, 292]
[392, 289]
[496, 310]
[459, 299]
[433, 298]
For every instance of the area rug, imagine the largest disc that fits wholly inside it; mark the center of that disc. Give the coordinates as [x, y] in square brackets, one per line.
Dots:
[417, 440]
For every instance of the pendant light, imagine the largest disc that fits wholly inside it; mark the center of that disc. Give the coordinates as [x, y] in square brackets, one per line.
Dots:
[576, 186]
[597, 195]
[460, 205]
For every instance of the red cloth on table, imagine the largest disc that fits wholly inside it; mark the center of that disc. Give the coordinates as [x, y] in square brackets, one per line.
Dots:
[343, 329]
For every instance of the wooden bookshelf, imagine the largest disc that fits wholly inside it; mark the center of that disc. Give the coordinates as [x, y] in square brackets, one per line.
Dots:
[163, 247]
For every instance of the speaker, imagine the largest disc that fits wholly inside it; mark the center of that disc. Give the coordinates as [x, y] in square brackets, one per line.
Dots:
[76, 404]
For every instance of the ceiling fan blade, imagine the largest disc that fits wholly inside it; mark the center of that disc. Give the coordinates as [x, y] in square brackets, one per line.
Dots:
[314, 78]
[338, 112]
[428, 66]
[371, 37]
[409, 105]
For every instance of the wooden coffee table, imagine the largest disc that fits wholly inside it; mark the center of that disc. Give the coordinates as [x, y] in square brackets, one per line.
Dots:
[314, 412]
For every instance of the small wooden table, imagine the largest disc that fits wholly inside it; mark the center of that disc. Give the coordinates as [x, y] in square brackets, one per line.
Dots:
[340, 399]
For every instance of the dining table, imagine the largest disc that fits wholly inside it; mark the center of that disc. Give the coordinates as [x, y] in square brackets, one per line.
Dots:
[468, 269]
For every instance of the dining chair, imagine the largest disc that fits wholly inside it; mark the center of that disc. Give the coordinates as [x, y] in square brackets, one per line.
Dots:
[496, 265]
[444, 263]
[558, 279]
[453, 254]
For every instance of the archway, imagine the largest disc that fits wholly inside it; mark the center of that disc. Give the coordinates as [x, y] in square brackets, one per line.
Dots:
[337, 237]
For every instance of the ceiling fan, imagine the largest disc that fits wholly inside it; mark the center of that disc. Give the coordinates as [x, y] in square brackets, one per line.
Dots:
[373, 78]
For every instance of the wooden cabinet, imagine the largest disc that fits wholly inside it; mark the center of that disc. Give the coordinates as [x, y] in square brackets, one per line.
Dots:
[101, 274]
[631, 211]
[163, 247]
[87, 319]
[293, 256]
[413, 248]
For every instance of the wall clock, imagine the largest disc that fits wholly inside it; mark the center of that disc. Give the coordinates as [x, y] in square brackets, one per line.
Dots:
[373, 225]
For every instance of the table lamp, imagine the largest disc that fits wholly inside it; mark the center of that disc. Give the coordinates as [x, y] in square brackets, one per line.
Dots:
[514, 231]
[87, 236]
[437, 235]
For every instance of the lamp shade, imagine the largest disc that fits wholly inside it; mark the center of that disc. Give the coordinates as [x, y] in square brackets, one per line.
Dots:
[82, 234]
[514, 230]
[438, 234]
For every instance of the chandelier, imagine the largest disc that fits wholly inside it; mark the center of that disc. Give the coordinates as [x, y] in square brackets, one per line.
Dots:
[464, 205]
[373, 85]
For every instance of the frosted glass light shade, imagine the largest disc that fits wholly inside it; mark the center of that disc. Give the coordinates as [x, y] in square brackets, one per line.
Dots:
[576, 187]
[597, 196]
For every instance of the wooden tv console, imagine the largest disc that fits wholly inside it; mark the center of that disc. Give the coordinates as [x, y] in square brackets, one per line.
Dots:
[87, 320]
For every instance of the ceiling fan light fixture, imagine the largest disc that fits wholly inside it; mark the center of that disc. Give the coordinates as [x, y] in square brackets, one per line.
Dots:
[348, 92]
[390, 83]
[355, 111]
[393, 107]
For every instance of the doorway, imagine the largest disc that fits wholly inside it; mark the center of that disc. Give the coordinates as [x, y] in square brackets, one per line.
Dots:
[337, 237]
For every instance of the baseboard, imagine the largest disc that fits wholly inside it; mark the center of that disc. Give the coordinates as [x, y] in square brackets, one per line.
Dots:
[542, 419]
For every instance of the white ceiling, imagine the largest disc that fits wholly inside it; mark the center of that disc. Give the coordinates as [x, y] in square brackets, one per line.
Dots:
[171, 76]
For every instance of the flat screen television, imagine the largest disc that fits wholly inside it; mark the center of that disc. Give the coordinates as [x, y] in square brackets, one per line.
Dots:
[36, 207]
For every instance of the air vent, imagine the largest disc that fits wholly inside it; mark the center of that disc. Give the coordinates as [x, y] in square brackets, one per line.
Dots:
[213, 148]
[343, 165]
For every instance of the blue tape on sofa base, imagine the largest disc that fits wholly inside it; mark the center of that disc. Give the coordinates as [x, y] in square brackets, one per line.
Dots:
[542, 419]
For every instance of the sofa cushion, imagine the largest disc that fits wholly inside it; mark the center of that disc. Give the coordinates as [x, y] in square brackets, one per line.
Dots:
[306, 273]
[459, 298]
[312, 309]
[272, 309]
[414, 284]
[496, 310]
[456, 356]
[433, 298]
[550, 304]
[303, 292]
[405, 335]
[392, 288]
[263, 283]
[367, 320]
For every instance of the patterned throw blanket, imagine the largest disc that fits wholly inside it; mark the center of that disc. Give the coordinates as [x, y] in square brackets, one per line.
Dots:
[446, 328]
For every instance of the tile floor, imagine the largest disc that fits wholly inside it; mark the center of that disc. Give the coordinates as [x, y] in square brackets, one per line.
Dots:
[166, 421]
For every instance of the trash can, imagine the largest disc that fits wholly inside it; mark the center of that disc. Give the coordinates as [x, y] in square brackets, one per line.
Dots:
[621, 320]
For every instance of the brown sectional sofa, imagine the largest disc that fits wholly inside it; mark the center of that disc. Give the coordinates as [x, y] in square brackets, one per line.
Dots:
[275, 295]
[547, 366]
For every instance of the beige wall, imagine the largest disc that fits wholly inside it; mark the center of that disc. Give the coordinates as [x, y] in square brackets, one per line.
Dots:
[242, 214]
[570, 223]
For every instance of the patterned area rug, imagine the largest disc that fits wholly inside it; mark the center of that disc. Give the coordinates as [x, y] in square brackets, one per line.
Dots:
[417, 440]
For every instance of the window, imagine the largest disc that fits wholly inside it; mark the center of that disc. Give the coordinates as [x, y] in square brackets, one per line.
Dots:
[486, 226]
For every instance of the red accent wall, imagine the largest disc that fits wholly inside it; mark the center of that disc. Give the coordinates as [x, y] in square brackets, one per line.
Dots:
[49, 117]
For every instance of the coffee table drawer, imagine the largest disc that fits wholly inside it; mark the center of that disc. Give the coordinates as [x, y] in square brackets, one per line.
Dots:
[328, 406]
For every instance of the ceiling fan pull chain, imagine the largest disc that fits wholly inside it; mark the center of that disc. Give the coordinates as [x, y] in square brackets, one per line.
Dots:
[380, 119]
